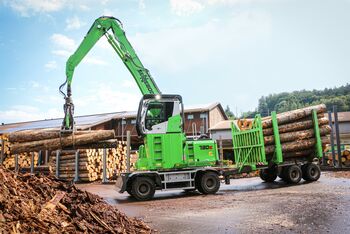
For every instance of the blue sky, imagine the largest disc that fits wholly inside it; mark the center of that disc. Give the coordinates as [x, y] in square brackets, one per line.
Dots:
[231, 51]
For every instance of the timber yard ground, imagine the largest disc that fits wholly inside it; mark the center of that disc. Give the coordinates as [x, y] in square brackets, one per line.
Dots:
[246, 206]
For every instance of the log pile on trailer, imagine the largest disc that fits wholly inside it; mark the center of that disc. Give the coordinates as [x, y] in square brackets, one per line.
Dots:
[296, 131]
[40, 204]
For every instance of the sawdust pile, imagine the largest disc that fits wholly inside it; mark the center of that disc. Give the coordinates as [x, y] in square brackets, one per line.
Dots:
[41, 204]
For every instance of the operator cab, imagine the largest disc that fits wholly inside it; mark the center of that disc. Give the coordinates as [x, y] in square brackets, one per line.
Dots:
[160, 114]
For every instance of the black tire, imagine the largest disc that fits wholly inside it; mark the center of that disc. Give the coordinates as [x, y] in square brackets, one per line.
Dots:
[268, 175]
[143, 188]
[293, 174]
[282, 174]
[311, 172]
[209, 183]
[128, 190]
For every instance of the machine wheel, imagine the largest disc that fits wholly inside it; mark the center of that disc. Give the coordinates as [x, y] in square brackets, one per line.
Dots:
[311, 172]
[143, 188]
[209, 183]
[268, 175]
[282, 174]
[293, 174]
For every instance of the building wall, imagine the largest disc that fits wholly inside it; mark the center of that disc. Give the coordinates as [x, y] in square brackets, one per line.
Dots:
[215, 116]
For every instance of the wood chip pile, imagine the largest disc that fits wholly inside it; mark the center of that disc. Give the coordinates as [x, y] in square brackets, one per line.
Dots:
[296, 131]
[40, 204]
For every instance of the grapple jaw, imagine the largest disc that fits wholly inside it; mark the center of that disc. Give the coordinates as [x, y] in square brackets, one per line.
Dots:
[68, 120]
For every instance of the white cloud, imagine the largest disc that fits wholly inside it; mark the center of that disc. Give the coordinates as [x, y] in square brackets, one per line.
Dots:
[94, 60]
[190, 7]
[19, 113]
[66, 47]
[128, 84]
[63, 41]
[31, 7]
[202, 43]
[51, 65]
[74, 23]
[185, 7]
[142, 4]
[106, 98]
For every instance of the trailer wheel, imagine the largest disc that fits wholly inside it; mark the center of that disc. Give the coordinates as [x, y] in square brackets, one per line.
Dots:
[209, 183]
[293, 174]
[311, 172]
[268, 175]
[143, 188]
[282, 174]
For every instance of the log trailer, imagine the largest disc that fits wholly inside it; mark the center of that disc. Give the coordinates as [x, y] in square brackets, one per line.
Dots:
[168, 159]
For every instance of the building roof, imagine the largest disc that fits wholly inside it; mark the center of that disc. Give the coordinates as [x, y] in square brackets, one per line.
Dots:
[88, 121]
[222, 125]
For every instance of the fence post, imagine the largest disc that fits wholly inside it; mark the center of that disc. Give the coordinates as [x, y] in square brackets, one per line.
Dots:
[46, 157]
[2, 151]
[336, 125]
[57, 163]
[16, 163]
[128, 143]
[76, 174]
[104, 166]
[32, 163]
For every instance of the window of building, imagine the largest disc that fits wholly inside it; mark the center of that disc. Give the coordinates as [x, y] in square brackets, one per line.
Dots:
[190, 117]
[133, 121]
[203, 115]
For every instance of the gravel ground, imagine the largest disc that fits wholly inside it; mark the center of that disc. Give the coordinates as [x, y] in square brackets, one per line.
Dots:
[246, 206]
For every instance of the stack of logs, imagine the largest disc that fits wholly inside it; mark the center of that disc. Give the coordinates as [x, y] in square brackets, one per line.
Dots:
[24, 160]
[296, 131]
[91, 163]
[345, 158]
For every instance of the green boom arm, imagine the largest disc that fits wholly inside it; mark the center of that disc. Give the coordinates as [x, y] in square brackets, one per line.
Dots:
[121, 46]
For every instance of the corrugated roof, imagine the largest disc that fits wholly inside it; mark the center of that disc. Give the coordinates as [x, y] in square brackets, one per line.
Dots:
[82, 122]
[86, 121]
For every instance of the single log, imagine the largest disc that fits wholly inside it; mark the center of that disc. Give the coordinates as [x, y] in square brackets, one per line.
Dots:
[71, 175]
[298, 154]
[71, 163]
[299, 135]
[296, 145]
[294, 115]
[35, 135]
[68, 157]
[57, 143]
[296, 126]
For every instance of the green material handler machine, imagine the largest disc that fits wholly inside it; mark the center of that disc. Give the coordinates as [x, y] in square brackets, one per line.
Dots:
[168, 159]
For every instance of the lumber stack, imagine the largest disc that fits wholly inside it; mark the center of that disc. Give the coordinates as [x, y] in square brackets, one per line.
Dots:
[296, 131]
[91, 163]
[6, 144]
[34, 140]
[344, 158]
[24, 160]
[42, 204]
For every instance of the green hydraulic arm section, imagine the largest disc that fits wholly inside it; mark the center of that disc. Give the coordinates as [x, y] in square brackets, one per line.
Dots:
[112, 29]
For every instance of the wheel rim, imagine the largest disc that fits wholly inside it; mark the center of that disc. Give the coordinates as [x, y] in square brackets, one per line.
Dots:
[210, 183]
[144, 189]
[294, 175]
